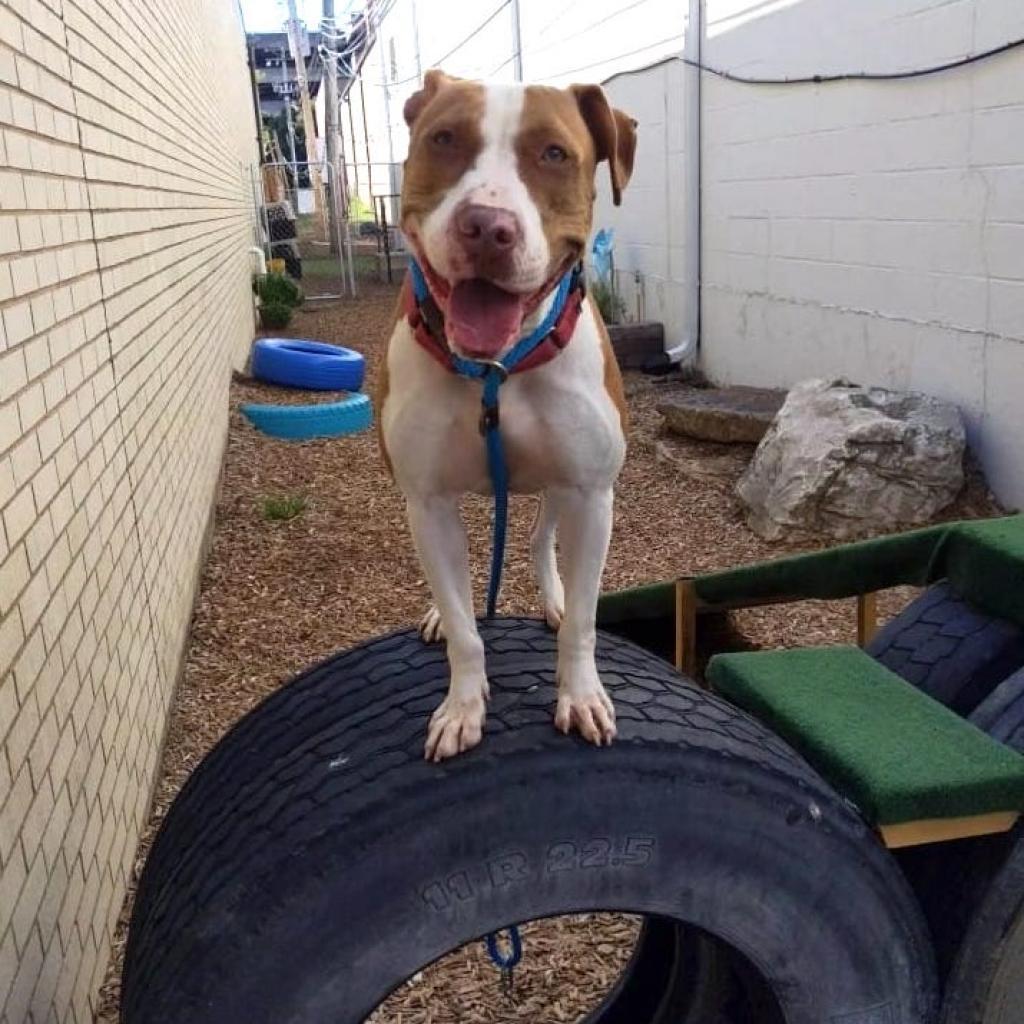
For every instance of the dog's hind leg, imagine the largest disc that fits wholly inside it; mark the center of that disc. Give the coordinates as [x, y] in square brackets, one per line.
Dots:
[431, 628]
[441, 542]
[545, 567]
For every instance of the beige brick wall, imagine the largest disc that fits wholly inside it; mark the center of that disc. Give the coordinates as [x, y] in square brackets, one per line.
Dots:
[126, 138]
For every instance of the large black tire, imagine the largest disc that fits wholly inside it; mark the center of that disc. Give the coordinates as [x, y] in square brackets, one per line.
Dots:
[973, 895]
[986, 983]
[677, 975]
[1001, 713]
[289, 252]
[949, 649]
[314, 860]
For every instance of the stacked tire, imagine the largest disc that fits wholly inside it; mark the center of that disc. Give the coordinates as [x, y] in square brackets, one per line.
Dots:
[313, 366]
[973, 891]
[280, 222]
[281, 225]
[289, 252]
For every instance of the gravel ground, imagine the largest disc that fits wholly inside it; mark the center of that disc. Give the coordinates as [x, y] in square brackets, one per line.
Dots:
[279, 594]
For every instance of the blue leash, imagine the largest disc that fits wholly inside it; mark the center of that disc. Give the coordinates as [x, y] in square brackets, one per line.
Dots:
[493, 374]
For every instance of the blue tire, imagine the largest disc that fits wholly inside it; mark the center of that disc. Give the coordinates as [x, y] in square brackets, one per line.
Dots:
[303, 422]
[299, 363]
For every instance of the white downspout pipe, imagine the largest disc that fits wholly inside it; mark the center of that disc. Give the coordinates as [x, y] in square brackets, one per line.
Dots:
[686, 351]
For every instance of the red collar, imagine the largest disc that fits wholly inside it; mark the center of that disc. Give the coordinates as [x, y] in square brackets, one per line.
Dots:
[427, 325]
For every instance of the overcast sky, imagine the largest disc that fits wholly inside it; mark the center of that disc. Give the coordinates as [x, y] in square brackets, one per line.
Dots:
[269, 15]
[560, 38]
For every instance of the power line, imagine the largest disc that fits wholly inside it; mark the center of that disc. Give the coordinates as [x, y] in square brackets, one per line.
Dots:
[617, 56]
[562, 40]
[843, 76]
[555, 17]
[472, 35]
[540, 32]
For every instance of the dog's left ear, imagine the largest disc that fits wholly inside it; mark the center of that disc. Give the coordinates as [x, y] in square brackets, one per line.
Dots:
[613, 132]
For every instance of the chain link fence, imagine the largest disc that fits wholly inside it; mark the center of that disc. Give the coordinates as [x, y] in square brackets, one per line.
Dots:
[296, 232]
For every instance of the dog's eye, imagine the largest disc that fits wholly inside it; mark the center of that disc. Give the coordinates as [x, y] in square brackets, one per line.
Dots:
[554, 155]
[444, 137]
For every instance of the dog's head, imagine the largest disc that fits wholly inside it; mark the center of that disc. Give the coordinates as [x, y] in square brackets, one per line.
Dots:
[498, 195]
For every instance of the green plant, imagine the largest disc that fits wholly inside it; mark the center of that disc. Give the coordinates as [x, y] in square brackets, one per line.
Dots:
[610, 306]
[277, 289]
[275, 315]
[358, 210]
[283, 507]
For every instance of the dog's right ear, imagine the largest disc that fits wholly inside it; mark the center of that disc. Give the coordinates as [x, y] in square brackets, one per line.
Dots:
[432, 82]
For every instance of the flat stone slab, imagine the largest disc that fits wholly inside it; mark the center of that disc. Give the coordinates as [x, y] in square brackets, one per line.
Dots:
[722, 470]
[736, 414]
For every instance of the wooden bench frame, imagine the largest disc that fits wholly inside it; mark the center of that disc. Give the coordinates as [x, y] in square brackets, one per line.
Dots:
[688, 606]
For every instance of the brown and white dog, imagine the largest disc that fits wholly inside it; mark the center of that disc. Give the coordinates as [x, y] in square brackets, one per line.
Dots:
[497, 203]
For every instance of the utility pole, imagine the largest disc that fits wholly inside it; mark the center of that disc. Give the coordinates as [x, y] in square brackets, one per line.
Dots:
[352, 137]
[295, 41]
[416, 42]
[387, 117]
[288, 116]
[331, 132]
[366, 143]
[517, 43]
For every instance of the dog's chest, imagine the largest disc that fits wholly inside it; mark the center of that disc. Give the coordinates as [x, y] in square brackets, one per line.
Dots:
[558, 424]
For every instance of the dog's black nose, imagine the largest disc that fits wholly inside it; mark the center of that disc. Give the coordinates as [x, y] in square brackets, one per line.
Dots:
[487, 230]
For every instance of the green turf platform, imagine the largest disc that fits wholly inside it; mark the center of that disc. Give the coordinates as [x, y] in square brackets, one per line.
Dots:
[896, 753]
[982, 559]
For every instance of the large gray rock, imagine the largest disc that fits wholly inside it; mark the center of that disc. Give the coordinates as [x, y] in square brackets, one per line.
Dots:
[844, 461]
[737, 414]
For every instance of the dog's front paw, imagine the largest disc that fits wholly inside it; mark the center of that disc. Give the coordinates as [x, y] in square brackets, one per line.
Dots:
[456, 726]
[584, 705]
[431, 630]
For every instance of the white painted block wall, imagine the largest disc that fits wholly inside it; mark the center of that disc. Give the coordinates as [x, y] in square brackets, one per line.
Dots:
[650, 224]
[873, 230]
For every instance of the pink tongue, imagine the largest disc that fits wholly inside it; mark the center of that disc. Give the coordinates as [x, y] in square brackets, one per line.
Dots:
[482, 318]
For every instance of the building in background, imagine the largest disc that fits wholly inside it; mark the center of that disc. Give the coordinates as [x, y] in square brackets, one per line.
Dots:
[274, 69]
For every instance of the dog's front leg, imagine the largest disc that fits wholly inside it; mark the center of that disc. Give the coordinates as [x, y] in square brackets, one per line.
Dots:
[440, 540]
[584, 529]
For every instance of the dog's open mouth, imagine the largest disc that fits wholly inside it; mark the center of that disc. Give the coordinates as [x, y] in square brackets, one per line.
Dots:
[483, 319]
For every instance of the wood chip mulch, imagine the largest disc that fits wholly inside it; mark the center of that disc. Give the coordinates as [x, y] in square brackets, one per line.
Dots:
[277, 595]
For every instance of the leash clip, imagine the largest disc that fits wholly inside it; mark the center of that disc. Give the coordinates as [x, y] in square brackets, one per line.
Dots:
[492, 366]
[495, 373]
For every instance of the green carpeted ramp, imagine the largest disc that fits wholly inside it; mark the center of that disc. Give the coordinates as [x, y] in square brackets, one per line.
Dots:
[915, 769]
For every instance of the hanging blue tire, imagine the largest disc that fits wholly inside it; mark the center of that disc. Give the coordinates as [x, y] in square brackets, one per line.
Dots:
[305, 422]
[300, 363]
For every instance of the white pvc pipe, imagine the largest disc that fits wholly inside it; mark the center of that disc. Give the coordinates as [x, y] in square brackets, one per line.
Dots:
[687, 349]
[261, 260]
